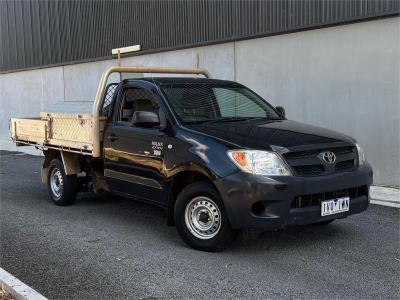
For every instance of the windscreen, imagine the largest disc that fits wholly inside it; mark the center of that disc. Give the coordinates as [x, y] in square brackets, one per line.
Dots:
[197, 103]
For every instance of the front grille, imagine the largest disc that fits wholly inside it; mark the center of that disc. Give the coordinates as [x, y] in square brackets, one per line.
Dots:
[316, 199]
[309, 163]
[309, 169]
[344, 165]
[315, 152]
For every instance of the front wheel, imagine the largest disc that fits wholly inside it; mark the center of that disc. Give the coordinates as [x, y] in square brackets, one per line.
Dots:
[62, 188]
[200, 218]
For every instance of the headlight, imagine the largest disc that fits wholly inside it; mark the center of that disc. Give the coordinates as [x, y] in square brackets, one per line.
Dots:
[259, 162]
[361, 155]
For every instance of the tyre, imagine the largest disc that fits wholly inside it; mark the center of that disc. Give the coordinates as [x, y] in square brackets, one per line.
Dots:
[62, 188]
[201, 220]
[323, 223]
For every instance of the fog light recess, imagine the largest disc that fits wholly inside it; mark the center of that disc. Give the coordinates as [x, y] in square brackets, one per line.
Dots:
[258, 209]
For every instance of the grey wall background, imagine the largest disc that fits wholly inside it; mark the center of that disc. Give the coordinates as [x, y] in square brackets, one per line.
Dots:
[41, 32]
[344, 78]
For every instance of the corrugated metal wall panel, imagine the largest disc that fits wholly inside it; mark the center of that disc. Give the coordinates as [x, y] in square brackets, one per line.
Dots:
[36, 33]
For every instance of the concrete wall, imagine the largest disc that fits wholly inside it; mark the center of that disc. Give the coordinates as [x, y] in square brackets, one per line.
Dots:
[344, 78]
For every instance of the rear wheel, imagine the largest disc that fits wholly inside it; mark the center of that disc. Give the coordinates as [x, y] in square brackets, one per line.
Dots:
[62, 188]
[201, 219]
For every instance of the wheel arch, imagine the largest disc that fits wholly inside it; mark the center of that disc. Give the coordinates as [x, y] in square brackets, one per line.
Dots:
[178, 183]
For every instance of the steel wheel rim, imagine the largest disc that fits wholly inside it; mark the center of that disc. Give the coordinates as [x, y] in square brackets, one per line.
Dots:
[203, 218]
[56, 183]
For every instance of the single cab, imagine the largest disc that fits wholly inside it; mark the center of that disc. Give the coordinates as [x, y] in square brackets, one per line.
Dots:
[214, 154]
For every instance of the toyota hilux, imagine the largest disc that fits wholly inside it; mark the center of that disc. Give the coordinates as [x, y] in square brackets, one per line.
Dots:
[214, 154]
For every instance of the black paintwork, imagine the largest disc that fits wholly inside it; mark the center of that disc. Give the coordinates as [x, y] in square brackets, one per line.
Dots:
[144, 163]
[262, 134]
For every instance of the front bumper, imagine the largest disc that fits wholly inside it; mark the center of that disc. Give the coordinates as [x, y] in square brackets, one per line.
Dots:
[265, 203]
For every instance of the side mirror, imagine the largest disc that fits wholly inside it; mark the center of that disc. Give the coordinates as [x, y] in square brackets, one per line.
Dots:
[145, 119]
[281, 111]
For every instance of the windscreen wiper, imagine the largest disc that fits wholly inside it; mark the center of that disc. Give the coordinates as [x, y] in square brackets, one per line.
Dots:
[226, 119]
[235, 119]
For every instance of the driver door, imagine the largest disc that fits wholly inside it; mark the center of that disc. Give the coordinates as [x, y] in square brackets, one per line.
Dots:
[133, 155]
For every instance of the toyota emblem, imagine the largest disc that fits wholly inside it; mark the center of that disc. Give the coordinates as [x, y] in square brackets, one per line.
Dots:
[329, 157]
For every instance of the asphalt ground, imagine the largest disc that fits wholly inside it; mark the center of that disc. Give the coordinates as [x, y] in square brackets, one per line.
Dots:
[108, 247]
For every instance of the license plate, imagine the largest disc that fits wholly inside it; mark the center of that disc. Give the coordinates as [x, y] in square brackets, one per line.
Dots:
[335, 206]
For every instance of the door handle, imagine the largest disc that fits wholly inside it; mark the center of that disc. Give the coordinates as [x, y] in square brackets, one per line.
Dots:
[112, 137]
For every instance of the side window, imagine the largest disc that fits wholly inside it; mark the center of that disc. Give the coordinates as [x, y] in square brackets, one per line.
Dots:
[232, 103]
[134, 99]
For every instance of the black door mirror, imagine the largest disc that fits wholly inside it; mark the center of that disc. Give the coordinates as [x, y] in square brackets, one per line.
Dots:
[145, 119]
[281, 111]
